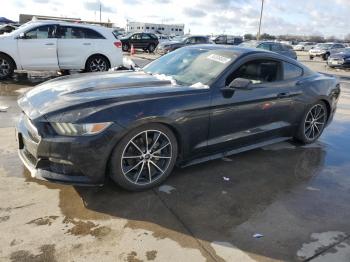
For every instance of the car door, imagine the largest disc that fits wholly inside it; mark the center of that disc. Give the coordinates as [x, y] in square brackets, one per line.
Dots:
[37, 49]
[145, 39]
[75, 45]
[135, 40]
[251, 116]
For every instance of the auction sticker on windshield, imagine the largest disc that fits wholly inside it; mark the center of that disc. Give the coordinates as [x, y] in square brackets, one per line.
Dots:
[219, 58]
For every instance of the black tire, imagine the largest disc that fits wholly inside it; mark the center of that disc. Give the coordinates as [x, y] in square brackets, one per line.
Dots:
[97, 63]
[311, 57]
[325, 56]
[140, 172]
[7, 66]
[151, 48]
[125, 47]
[304, 128]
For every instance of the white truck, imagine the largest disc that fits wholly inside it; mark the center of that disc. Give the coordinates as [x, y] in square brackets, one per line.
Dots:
[56, 45]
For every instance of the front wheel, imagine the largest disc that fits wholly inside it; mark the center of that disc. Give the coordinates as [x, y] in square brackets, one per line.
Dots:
[144, 158]
[7, 66]
[312, 123]
[325, 56]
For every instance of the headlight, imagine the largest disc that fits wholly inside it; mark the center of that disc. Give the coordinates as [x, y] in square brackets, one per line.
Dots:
[69, 129]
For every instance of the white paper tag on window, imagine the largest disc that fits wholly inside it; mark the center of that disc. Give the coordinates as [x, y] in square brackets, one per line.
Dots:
[219, 58]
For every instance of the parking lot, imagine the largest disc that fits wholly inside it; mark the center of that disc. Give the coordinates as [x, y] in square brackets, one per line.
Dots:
[283, 202]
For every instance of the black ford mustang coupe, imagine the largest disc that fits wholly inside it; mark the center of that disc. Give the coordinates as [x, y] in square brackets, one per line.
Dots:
[194, 104]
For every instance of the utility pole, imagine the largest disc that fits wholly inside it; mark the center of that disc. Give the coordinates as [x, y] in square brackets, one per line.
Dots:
[261, 14]
[100, 11]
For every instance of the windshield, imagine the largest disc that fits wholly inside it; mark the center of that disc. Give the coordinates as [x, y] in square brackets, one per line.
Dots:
[324, 46]
[189, 66]
[249, 44]
[180, 38]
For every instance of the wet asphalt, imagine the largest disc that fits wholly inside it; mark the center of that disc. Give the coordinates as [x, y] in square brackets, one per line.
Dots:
[296, 197]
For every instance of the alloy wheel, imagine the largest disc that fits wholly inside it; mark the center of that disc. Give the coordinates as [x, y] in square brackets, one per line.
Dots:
[98, 65]
[314, 122]
[146, 157]
[4, 67]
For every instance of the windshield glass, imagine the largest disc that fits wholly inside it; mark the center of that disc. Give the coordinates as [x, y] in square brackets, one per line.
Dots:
[324, 46]
[189, 66]
[180, 38]
[250, 44]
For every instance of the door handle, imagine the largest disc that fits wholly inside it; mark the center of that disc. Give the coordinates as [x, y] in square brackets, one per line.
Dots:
[49, 44]
[87, 44]
[283, 95]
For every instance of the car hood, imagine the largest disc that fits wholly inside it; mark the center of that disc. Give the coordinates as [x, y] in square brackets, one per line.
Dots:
[69, 91]
[341, 55]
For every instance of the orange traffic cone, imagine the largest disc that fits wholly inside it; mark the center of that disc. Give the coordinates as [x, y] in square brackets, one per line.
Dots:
[132, 50]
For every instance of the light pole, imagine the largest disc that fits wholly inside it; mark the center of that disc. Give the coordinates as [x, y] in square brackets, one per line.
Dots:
[261, 13]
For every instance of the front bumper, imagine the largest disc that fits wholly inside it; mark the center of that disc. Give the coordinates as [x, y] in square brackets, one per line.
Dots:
[78, 161]
[336, 62]
[317, 53]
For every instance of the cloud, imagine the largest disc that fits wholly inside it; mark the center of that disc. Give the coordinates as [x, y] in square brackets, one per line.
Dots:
[95, 6]
[194, 12]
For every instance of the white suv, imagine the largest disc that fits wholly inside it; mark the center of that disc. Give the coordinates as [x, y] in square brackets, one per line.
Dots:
[55, 45]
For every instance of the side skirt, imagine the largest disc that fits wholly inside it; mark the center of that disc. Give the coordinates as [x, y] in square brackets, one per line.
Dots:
[234, 151]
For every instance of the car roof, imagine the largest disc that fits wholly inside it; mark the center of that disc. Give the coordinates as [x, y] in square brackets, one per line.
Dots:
[44, 22]
[243, 51]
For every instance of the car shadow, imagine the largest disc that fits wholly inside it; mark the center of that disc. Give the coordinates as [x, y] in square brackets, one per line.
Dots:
[208, 201]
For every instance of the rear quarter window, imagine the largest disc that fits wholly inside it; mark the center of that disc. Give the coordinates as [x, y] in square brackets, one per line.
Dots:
[291, 71]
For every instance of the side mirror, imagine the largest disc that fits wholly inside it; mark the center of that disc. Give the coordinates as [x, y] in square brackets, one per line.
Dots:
[238, 83]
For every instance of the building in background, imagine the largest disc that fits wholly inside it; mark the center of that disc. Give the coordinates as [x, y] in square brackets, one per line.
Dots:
[24, 18]
[165, 29]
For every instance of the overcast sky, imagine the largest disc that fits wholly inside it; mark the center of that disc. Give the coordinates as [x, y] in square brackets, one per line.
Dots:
[321, 17]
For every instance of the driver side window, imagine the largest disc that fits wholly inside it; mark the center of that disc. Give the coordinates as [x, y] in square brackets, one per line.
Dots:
[41, 32]
[258, 71]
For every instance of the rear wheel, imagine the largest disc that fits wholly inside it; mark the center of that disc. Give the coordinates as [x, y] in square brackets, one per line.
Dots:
[311, 57]
[313, 123]
[7, 66]
[125, 47]
[97, 63]
[144, 158]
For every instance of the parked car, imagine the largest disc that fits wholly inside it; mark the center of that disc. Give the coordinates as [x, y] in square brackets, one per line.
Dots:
[8, 28]
[341, 59]
[277, 47]
[177, 42]
[55, 45]
[325, 50]
[194, 104]
[144, 41]
[227, 40]
[304, 46]
[162, 38]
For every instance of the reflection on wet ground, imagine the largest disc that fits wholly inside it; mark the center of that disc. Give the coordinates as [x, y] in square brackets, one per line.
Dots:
[286, 192]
